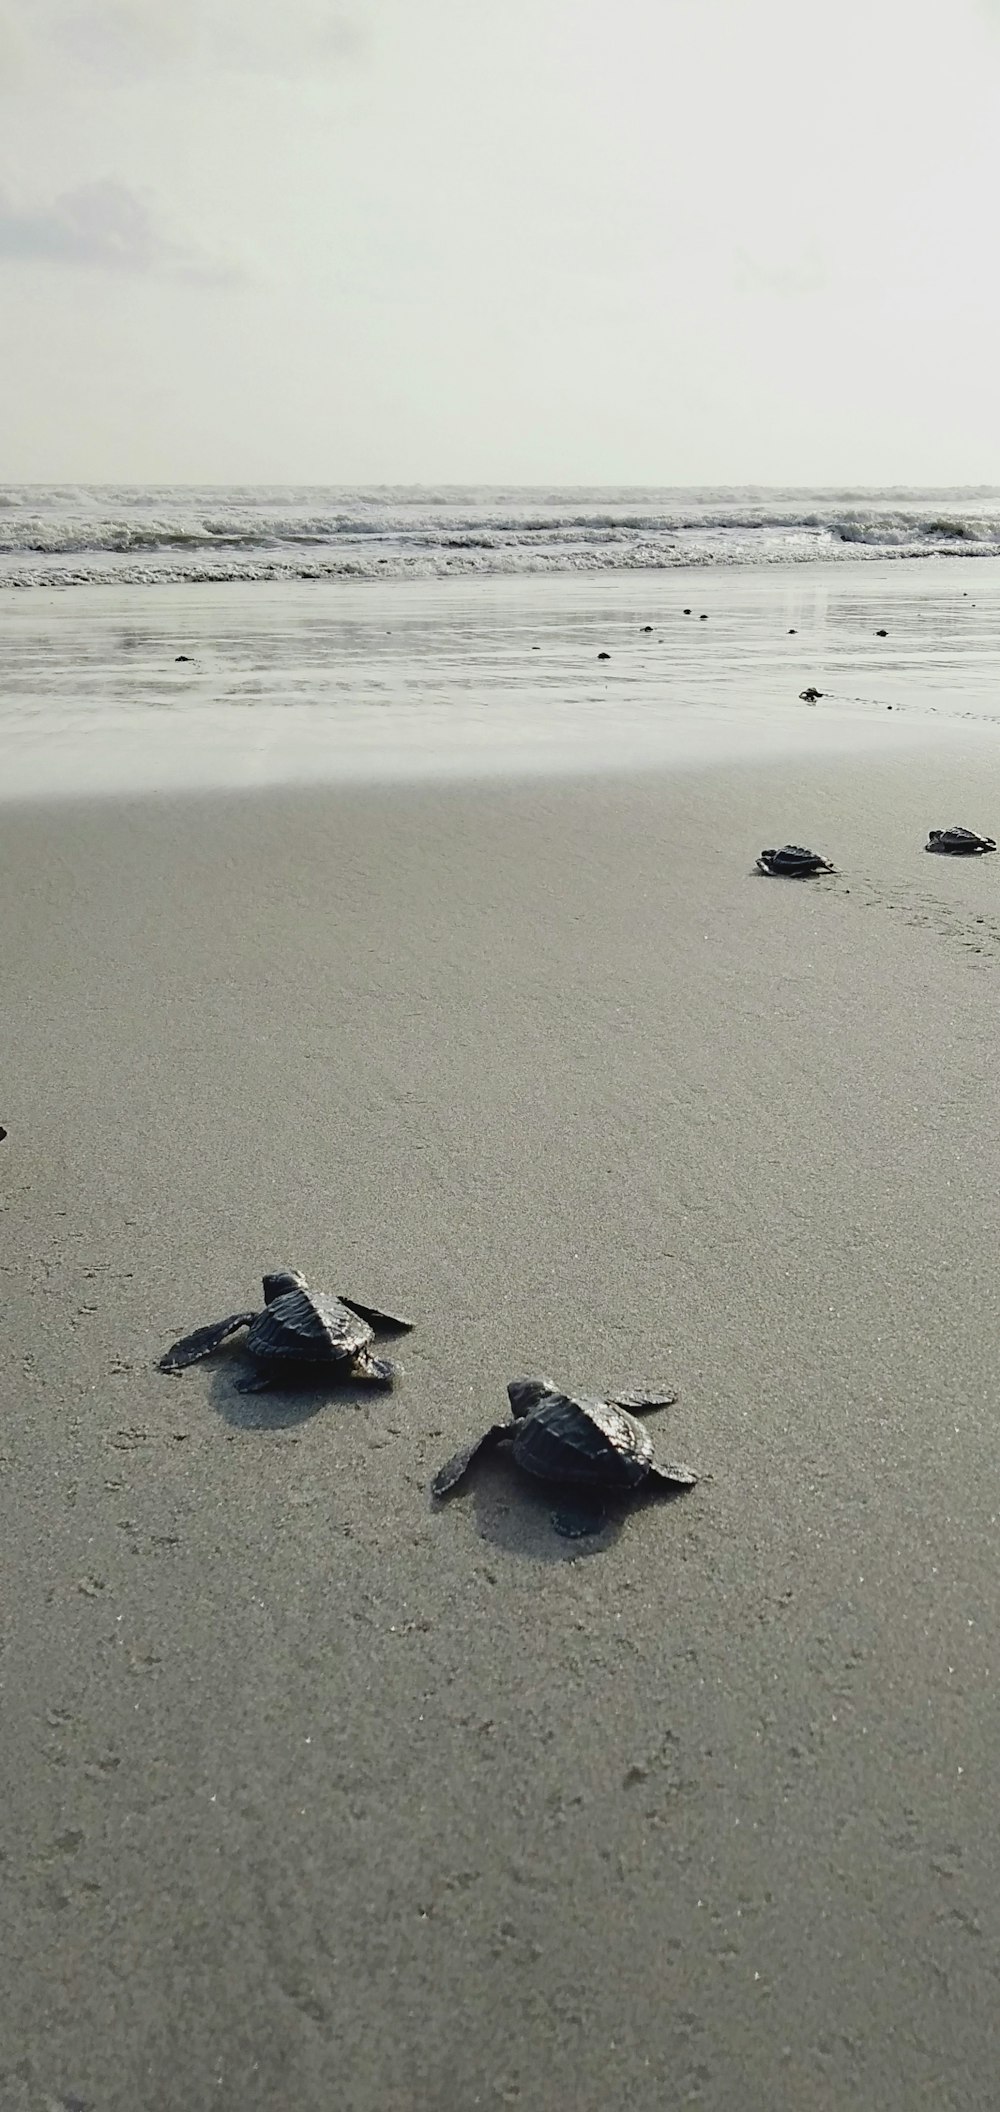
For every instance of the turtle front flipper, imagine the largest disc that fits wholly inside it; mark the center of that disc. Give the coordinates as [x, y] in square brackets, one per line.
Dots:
[203, 1341]
[379, 1371]
[641, 1402]
[672, 1477]
[389, 1323]
[456, 1468]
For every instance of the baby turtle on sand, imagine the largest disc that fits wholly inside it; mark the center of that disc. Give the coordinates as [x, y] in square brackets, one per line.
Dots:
[298, 1328]
[811, 695]
[598, 1447]
[959, 843]
[793, 860]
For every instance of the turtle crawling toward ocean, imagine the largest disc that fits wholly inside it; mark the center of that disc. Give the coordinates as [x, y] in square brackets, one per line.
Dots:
[299, 1331]
[793, 861]
[958, 843]
[597, 1448]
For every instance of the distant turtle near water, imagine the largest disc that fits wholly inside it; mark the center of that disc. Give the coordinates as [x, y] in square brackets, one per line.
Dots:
[794, 861]
[598, 1448]
[298, 1331]
[958, 843]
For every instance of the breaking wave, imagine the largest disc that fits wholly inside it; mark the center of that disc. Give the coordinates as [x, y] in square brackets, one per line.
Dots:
[72, 536]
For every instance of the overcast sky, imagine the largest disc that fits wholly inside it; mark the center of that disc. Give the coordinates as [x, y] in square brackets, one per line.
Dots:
[575, 241]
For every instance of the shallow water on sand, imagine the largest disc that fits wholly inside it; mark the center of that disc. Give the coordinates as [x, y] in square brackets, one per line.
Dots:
[300, 681]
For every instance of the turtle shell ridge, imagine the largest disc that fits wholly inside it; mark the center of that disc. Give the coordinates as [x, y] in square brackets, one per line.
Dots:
[309, 1326]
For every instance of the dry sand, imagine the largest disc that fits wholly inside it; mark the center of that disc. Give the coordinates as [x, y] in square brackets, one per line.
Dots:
[314, 1796]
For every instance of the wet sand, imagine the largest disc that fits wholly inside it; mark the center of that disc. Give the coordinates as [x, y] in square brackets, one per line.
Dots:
[314, 1795]
[408, 681]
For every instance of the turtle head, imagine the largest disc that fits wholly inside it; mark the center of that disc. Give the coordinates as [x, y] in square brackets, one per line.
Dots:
[281, 1281]
[525, 1394]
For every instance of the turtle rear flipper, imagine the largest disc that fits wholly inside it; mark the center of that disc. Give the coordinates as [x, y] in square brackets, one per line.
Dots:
[456, 1468]
[203, 1341]
[389, 1322]
[579, 1521]
[640, 1402]
[379, 1371]
[672, 1476]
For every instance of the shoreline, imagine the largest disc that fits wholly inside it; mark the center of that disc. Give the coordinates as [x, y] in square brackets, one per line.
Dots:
[474, 680]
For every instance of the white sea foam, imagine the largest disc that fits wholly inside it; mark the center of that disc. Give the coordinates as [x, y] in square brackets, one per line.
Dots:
[77, 536]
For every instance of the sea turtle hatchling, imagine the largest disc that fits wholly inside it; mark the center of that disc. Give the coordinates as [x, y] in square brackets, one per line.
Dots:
[301, 1328]
[958, 843]
[793, 861]
[598, 1448]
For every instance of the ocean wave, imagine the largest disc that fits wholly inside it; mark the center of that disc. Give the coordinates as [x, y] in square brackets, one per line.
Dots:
[75, 536]
[445, 566]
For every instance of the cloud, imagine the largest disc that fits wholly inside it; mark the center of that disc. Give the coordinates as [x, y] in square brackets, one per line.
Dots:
[102, 226]
[129, 39]
[791, 278]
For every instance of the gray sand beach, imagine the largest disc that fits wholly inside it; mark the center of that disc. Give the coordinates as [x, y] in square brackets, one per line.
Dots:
[315, 1795]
